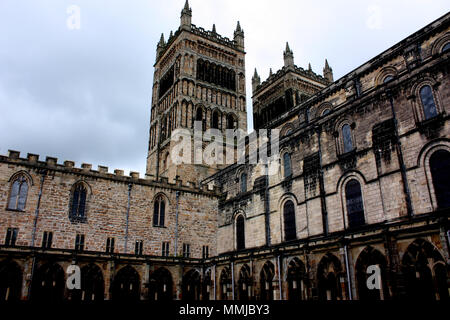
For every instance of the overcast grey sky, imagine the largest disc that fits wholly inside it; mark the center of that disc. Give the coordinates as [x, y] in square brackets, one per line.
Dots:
[85, 94]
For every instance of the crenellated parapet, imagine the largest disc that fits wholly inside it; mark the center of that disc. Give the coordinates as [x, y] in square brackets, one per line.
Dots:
[102, 172]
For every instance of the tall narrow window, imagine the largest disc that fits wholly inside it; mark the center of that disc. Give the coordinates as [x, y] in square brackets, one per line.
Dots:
[11, 237]
[240, 233]
[47, 239]
[440, 173]
[79, 242]
[19, 192]
[215, 120]
[110, 245]
[186, 250]
[205, 252]
[78, 204]
[287, 165]
[289, 221]
[139, 248]
[355, 207]
[428, 104]
[165, 249]
[347, 138]
[231, 124]
[244, 182]
[159, 211]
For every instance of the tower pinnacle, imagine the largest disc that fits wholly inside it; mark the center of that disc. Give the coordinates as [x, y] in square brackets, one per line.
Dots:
[256, 80]
[288, 57]
[186, 17]
[328, 72]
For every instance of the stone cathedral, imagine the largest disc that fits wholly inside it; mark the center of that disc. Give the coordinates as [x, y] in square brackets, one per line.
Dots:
[363, 180]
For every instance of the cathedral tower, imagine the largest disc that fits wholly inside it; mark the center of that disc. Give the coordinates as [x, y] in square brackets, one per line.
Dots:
[199, 76]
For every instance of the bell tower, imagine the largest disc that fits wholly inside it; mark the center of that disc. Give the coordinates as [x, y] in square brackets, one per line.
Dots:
[199, 75]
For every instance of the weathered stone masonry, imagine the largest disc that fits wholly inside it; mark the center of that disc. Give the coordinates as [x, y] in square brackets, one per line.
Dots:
[363, 180]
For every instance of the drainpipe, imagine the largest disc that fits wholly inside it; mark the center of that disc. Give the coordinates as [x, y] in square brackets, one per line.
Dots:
[400, 159]
[33, 235]
[279, 277]
[176, 225]
[347, 268]
[128, 214]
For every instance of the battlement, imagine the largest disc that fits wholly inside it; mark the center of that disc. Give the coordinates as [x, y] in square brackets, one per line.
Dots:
[68, 166]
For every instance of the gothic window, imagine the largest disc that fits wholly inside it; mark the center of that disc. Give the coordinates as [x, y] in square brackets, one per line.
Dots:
[440, 173]
[240, 232]
[355, 207]
[289, 221]
[159, 210]
[78, 203]
[19, 192]
[244, 182]
[287, 165]
[325, 112]
[215, 120]
[347, 138]
[428, 103]
[446, 47]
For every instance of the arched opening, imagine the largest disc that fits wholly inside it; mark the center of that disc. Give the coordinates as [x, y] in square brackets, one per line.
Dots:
[226, 289]
[440, 173]
[240, 232]
[347, 138]
[266, 281]
[424, 269]
[287, 165]
[10, 281]
[446, 47]
[215, 120]
[161, 285]
[290, 232]
[243, 182]
[48, 283]
[245, 283]
[199, 117]
[159, 211]
[328, 276]
[191, 286]
[18, 195]
[297, 280]
[231, 122]
[126, 286]
[428, 103]
[354, 202]
[92, 284]
[78, 203]
[369, 257]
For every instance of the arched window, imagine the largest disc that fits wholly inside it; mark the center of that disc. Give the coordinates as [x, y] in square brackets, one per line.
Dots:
[325, 112]
[355, 207]
[446, 47]
[215, 120]
[287, 165]
[347, 138]
[159, 211]
[78, 204]
[440, 173]
[388, 78]
[428, 103]
[289, 221]
[19, 192]
[230, 122]
[240, 233]
[244, 182]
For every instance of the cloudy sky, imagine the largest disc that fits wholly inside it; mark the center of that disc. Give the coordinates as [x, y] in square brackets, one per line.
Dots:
[85, 94]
